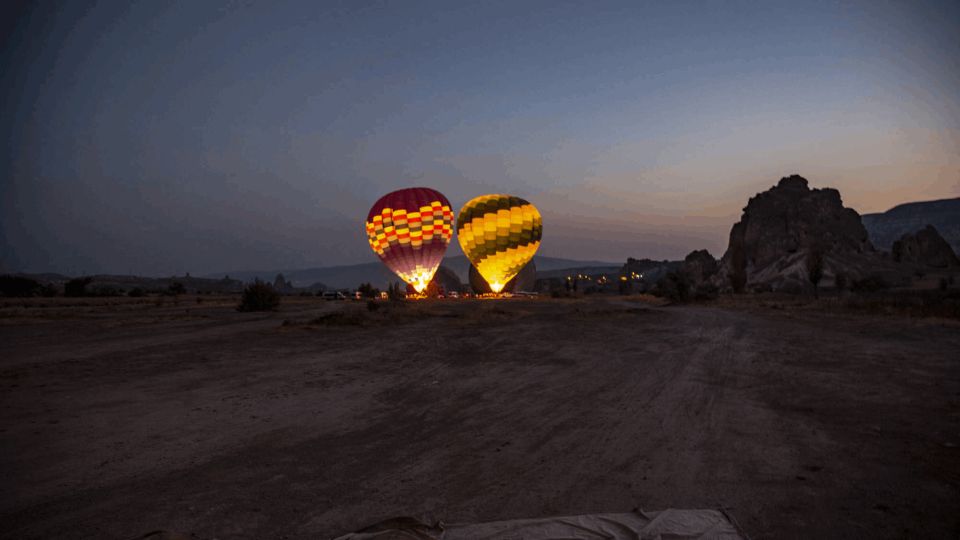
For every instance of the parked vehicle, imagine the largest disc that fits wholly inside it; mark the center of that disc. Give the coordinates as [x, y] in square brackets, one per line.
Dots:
[334, 295]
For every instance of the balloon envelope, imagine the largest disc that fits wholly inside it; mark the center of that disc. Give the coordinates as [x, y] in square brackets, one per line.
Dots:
[525, 280]
[409, 230]
[499, 234]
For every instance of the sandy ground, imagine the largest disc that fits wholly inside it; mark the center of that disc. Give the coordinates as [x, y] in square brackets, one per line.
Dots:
[117, 420]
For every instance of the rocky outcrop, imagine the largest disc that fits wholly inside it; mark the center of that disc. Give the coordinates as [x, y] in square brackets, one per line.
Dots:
[784, 230]
[925, 247]
[699, 266]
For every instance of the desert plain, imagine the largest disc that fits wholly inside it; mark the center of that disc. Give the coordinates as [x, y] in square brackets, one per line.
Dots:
[124, 416]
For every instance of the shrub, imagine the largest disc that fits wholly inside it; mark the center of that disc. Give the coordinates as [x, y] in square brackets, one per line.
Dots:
[48, 290]
[675, 286]
[259, 296]
[340, 318]
[706, 291]
[77, 287]
[175, 289]
[106, 290]
[840, 281]
[18, 286]
[136, 292]
[762, 288]
[372, 305]
[871, 283]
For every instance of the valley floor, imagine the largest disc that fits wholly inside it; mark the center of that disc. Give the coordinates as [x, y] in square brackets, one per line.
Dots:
[119, 419]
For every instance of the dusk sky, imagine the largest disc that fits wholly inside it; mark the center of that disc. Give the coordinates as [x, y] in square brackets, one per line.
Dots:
[160, 138]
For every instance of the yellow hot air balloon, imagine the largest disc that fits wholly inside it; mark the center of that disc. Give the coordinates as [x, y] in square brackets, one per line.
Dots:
[499, 234]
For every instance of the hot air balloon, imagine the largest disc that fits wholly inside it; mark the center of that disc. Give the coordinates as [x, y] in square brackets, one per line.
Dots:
[409, 230]
[499, 234]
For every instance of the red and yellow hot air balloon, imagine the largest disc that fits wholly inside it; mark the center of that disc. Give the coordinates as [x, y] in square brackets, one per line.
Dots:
[409, 230]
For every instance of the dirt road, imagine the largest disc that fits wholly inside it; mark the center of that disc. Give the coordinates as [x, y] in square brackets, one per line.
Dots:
[206, 421]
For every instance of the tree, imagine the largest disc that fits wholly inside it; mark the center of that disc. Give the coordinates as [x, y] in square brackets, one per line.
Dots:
[814, 263]
[368, 290]
[394, 292]
[281, 284]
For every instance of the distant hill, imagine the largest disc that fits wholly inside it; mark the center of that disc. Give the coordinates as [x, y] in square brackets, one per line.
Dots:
[349, 276]
[887, 227]
[585, 270]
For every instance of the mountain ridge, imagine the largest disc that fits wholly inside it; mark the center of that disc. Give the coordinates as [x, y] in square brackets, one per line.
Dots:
[887, 227]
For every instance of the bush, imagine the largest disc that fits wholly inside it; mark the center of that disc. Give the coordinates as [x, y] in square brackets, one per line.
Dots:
[136, 292]
[872, 283]
[259, 296]
[372, 305]
[77, 287]
[19, 287]
[706, 291]
[48, 290]
[106, 290]
[675, 286]
[840, 281]
[175, 288]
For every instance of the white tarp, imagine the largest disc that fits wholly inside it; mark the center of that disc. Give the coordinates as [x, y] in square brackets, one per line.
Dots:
[637, 525]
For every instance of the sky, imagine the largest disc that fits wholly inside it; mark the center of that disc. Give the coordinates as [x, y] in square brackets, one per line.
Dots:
[160, 138]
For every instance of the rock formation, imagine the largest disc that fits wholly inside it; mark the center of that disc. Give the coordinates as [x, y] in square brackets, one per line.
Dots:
[925, 247]
[699, 266]
[785, 228]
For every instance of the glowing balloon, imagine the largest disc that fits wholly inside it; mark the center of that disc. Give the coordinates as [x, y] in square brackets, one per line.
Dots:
[499, 234]
[409, 230]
